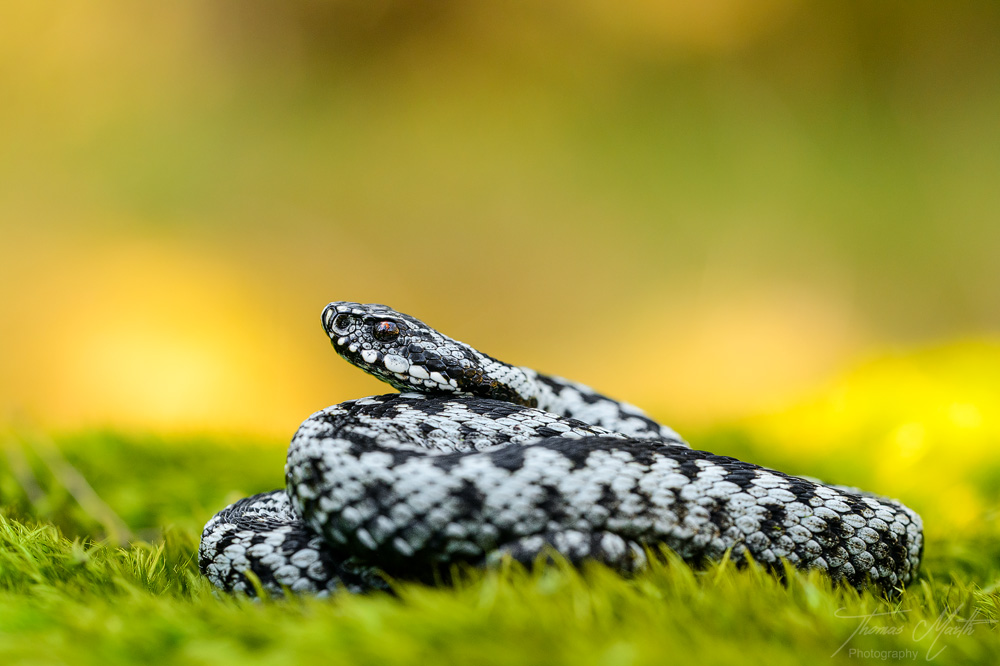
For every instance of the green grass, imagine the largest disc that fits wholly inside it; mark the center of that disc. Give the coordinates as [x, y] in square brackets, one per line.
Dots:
[69, 594]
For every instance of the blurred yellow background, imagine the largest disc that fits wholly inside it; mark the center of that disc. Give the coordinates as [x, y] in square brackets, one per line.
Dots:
[708, 209]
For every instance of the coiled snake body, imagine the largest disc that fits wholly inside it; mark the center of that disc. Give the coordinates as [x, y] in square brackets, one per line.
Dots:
[477, 458]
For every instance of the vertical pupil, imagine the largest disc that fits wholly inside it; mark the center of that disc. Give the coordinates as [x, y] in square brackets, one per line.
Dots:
[386, 330]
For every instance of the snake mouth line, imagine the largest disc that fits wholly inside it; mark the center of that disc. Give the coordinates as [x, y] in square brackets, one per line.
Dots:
[477, 458]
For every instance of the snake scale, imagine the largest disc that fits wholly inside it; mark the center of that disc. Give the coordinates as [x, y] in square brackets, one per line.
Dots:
[476, 459]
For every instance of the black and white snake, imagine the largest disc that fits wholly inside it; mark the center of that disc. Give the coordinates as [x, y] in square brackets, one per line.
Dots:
[477, 458]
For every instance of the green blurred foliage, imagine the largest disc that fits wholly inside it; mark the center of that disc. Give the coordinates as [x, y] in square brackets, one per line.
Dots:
[824, 170]
[705, 208]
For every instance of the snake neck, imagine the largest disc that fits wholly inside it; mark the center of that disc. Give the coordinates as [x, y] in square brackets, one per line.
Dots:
[488, 377]
[413, 357]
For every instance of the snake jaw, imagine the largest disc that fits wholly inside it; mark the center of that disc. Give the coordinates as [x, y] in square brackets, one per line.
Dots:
[358, 334]
[366, 480]
[417, 357]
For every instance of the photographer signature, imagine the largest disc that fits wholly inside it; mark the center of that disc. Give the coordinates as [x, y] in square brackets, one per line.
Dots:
[947, 623]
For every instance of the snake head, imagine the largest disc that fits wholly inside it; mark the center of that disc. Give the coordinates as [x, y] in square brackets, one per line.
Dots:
[411, 356]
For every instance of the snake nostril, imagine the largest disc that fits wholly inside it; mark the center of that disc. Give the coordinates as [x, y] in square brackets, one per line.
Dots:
[343, 461]
[341, 324]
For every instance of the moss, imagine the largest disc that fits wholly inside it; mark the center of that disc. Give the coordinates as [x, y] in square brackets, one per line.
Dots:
[98, 533]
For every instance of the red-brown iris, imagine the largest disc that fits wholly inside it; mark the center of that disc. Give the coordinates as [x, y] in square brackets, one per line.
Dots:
[386, 331]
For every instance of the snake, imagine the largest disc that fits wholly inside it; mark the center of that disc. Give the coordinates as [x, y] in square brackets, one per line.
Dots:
[475, 461]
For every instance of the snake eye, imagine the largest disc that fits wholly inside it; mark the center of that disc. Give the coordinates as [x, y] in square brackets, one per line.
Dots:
[341, 324]
[386, 331]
